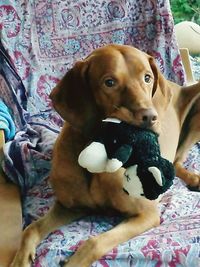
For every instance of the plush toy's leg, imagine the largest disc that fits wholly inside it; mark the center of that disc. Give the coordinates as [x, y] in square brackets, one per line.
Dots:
[120, 157]
[93, 158]
[113, 165]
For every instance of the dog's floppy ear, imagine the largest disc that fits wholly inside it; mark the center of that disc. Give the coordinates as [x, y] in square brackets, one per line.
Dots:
[161, 90]
[72, 97]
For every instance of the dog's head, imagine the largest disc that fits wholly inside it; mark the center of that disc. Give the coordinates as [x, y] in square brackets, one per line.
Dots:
[113, 81]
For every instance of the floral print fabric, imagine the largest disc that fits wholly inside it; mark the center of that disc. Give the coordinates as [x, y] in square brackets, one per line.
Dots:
[44, 38]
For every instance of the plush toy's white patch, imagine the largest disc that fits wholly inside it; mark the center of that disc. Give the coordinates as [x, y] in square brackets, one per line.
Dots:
[131, 182]
[93, 158]
[157, 175]
[114, 120]
[113, 165]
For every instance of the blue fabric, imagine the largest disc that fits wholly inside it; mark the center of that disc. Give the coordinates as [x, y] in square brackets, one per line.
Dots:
[12, 91]
[6, 122]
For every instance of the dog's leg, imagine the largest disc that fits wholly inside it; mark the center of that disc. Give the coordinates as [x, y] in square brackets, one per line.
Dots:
[192, 179]
[190, 135]
[38, 230]
[95, 247]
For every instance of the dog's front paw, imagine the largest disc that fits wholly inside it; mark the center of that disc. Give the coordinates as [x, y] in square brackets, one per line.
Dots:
[192, 179]
[194, 182]
[74, 263]
[86, 254]
[23, 259]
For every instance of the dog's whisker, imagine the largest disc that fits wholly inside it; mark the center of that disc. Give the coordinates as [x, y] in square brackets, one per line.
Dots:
[116, 107]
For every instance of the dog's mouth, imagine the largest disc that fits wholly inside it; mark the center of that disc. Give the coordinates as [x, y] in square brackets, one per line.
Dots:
[142, 118]
[154, 126]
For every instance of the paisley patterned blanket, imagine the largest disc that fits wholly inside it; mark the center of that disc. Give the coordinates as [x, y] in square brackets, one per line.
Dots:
[40, 41]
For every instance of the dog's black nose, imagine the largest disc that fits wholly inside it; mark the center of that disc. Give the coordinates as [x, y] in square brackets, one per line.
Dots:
[148, 117]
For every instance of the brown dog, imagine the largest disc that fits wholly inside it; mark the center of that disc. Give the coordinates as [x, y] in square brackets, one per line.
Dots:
[121, 82]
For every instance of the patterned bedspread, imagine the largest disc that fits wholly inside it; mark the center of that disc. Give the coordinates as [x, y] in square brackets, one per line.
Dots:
[43, 39]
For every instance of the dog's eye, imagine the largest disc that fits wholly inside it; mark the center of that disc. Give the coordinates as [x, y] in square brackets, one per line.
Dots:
[147, 78]
[110, 82]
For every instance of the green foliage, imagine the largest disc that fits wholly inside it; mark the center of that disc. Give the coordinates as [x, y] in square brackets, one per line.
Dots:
[186, 10]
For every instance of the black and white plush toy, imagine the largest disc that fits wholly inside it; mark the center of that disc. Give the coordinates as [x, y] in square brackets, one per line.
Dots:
[120, 144]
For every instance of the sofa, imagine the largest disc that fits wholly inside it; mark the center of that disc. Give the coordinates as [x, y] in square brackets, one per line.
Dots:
[40, 41]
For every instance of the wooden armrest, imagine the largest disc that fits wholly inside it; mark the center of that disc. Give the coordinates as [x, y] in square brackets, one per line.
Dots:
[2, 138]
[2, 142]
[11, 215]
[187, 66]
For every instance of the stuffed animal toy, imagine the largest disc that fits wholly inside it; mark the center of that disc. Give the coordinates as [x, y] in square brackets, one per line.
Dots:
[120, 144]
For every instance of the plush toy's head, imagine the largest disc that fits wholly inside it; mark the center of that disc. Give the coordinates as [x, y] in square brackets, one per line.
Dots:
[114, 134]
[148, 183]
